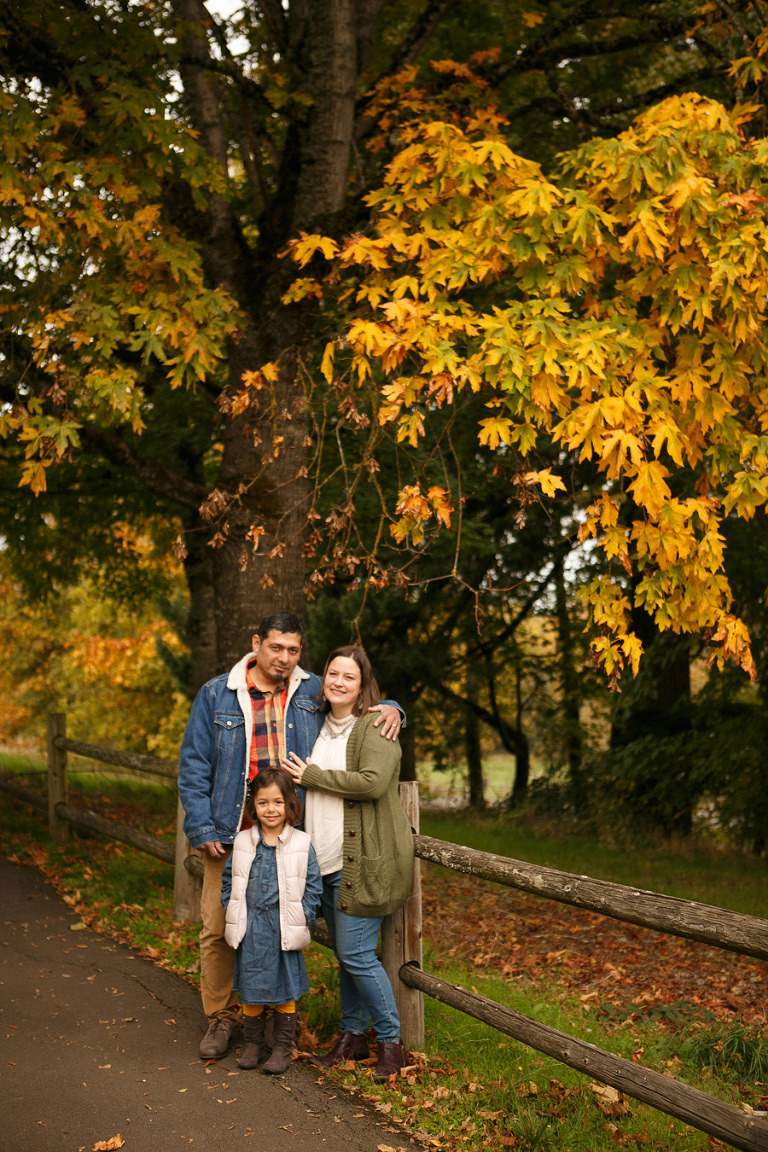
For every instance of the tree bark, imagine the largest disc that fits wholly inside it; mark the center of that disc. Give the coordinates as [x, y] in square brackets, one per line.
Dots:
[569, 686]
[258, 527]
[472, 746]
[522, 748]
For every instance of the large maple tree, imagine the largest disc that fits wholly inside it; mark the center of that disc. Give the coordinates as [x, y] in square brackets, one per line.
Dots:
[616, 312]
[157, 161]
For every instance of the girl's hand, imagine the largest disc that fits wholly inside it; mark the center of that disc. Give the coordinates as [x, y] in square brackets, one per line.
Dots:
[294, 766]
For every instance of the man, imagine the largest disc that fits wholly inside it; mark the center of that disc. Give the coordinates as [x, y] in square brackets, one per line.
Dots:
[265, 708]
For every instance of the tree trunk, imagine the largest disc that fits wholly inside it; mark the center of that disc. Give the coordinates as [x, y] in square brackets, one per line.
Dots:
[259, 567]
[259, 524]
[472, 742]
[656, 707]
[408, 762]
[201, 627]
[569, 686]
[474, 760]
[522, 748]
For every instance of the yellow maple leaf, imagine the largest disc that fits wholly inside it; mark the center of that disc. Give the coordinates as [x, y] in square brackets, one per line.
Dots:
[303, 249]
[326, 366]
[650, 488]
[548, 483]
[494, 431]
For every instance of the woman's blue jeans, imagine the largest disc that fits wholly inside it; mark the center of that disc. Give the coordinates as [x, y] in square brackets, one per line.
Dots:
[366, 993]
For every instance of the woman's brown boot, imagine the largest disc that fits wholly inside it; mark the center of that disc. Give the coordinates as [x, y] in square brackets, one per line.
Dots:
[391, 1060]
[348, 1047]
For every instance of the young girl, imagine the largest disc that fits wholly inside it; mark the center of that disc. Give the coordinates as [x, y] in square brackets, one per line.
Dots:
[271, 889]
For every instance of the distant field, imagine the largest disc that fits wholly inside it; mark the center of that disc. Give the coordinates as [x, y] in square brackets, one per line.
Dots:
[451, 784]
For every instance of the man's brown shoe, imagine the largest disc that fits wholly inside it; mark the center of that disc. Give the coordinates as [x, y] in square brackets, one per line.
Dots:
[347, 1047]
[215, 1043]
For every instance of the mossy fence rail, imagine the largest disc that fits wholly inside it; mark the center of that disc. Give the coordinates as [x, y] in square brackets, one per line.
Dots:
[401, 939]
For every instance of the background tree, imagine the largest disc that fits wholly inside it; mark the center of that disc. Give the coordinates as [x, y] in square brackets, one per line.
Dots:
[95, 657]
[157, 367]
[158, 159]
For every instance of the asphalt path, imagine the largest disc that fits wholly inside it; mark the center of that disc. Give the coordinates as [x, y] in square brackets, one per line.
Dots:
[100, 1045]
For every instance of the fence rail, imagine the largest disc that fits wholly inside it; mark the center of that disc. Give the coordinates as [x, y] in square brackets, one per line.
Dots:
[674, 1097]
[114, 830]
[733, 931]
[133, 760]
[401, 945]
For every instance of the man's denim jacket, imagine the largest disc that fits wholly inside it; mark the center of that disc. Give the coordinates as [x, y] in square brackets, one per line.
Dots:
[215, 751]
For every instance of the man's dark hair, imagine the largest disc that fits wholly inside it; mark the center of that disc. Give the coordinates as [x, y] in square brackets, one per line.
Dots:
[280, 622]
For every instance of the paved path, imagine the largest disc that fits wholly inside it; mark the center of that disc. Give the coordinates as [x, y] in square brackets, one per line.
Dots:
[96, 1041]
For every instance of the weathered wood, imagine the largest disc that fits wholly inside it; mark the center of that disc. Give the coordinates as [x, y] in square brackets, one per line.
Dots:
[677, 1099]
[135, 760]
[114, 830]
[194, 865]
[58, 792]
[747, 935]
[36, 799]
[401, 939]
[187, 889]
[320, 933]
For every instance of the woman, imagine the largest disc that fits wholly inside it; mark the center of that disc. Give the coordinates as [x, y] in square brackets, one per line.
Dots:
[364, 847]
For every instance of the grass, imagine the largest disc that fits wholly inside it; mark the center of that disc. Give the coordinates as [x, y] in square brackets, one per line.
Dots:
[472, 1088]
[729, 1051]
[477, 1088]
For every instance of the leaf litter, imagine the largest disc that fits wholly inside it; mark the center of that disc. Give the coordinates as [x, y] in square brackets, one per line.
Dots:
[616, 969]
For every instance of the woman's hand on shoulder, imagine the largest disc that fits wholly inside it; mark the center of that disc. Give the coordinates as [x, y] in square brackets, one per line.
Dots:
[294, 766]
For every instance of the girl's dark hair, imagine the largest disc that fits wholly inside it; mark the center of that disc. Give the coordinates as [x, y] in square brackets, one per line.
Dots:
[277, 776]
[369, 689]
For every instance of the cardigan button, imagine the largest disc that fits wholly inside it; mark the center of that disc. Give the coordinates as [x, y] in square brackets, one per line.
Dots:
[343, 907]
[350, 803]
[351, 859]
[348, 884]
[352, 833]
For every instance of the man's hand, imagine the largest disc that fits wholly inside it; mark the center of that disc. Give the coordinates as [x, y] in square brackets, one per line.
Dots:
[390, 720]
[213, 848]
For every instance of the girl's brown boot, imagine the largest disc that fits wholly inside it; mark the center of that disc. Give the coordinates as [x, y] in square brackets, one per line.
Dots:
[253, 1034]
[284, 1024]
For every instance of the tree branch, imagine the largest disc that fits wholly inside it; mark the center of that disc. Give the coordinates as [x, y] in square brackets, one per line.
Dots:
[164, 483]
[414, 40]
[274, 18]
[542, 55]
[368, 19]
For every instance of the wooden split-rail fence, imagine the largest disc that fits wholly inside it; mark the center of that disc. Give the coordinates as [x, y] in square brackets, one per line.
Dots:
[402, 936]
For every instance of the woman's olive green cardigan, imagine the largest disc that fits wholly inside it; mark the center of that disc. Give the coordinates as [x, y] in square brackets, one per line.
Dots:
[377, 871]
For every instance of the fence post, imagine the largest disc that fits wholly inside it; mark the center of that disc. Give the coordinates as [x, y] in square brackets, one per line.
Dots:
[401, 938]
[58, 791]
[186, 887]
